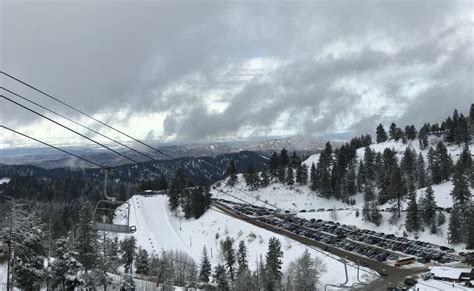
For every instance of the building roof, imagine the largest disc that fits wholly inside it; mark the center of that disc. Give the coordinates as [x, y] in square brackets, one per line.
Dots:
[448, 272]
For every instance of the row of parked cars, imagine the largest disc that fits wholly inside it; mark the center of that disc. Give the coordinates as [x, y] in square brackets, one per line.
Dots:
[376, 245]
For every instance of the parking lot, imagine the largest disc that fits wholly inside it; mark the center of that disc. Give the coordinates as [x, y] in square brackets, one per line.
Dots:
[375, 245]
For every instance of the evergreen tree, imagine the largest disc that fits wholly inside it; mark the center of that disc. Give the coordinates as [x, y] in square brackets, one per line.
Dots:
[264, 179]
[429, 207]
[408, 167]
[375, 215]
[251, 178]
[205, 269]
[420, 171]
[412, 222]
[284, 158]
[220, 278]
[274, 165]
[305, 272]
[455, 225]
[445, 161]
[231, 173]
[27, 246]
[461, 193]
[381, 134]
[86, 240]
[369, 162]
[313, 179]
[142, 262]
[242, 258]
[393, 131]
[290, 176]
[361, 176]
[397, 189]
[65, 268]
[128, 247]
[369, 194]
[462, 131]
[441, 218]
[229, 257]
[273, 266]
[323, 172]
[469, 228]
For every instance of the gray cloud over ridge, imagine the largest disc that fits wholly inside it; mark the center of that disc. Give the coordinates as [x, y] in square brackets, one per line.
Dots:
[213, 69]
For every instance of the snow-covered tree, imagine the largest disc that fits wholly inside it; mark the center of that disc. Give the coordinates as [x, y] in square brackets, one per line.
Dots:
[305, 272]
[66, 269]
[205, 268]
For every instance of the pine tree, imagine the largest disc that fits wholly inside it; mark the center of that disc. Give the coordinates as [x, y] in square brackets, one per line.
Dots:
[304, 174]
[323, 173]
[142, 262]
[284, 158]
[306, 272]
[127, 250]
[273, 266]
[429, 207]
[461, 193]
[420, 171]
[65, 268]
[251, 178]
[441, 218]
[462, 131]
[393, 131]
[205, 269]
[443, 163]
[455, 225]
[397, 189]
[313, 180]
[220, 277]
[381, 134]
[412, 222]
[231, 173]
[408, 167]
[469, 228]
[86, 240]
[229, 257]
[242, 258]
[290, 176]
[369, 194]
[264, 179]
[375, 215]
[26, 246]
[274, 165]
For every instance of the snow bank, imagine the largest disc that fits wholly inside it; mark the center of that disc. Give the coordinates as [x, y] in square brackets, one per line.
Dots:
[4, 180]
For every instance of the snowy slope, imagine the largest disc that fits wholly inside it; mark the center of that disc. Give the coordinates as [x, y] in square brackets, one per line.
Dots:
[4, 180]
[158, 229]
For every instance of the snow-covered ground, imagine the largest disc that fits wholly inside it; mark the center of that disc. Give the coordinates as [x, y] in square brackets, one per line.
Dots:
[158, 229]
[4, 180]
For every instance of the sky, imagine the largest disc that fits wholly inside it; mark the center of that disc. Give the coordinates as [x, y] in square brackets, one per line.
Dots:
[187, 71]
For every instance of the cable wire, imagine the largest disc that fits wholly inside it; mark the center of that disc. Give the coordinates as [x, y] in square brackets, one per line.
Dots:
[83, 113]
[70, 129]
[55, 147]
[77, 123]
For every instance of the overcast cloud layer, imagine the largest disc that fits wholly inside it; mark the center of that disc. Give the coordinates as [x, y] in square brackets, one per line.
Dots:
[204, 70]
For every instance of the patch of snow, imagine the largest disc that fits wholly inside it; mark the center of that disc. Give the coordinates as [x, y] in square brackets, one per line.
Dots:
[4, 180]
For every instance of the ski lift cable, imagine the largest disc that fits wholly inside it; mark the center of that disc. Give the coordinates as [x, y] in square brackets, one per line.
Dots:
[83, 113]
[56, 148]
[70, 129]
[78, 124]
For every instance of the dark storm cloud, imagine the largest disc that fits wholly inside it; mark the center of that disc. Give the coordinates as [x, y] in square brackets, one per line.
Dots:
[169, 57]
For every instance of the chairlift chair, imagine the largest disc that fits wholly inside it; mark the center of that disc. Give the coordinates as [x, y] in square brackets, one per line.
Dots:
[111, 202]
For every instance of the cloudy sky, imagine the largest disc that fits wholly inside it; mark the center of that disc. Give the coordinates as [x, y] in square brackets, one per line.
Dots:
[205, 70]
